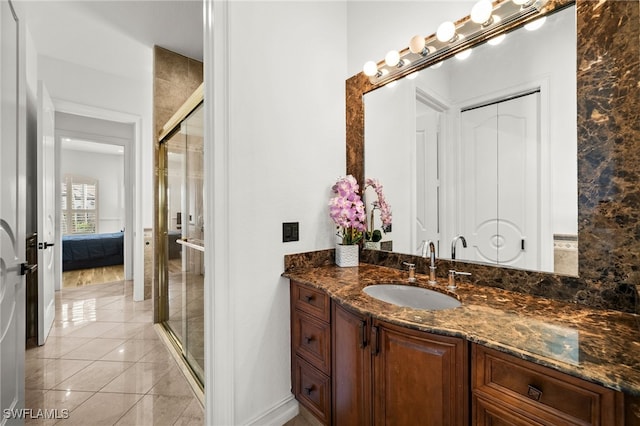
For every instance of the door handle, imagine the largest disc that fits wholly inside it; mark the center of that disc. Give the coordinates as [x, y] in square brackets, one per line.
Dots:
[361, 335]
[27, 268]
[45, 245]
[375, 341]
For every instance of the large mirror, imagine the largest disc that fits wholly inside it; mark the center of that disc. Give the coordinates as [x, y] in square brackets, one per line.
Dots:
[484, 148]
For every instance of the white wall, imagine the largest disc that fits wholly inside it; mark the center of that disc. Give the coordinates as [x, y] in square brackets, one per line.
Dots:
[108, 169]
[286, 147]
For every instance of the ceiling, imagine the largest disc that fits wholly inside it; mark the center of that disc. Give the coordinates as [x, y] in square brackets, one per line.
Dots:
[114, 36]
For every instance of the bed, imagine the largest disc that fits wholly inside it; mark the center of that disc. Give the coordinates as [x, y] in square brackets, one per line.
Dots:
[92, 250]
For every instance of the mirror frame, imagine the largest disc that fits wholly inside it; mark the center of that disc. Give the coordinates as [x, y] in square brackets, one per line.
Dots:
[608, 143]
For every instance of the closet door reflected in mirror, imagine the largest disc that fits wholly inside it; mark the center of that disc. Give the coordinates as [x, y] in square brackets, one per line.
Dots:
[184, 186]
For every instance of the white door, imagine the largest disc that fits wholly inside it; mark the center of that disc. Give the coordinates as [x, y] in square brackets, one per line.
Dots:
[500, 197]
[12, 223]
[427, 176]
[46, 213]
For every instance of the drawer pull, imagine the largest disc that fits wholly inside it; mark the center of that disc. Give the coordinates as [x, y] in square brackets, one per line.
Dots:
[361, 333]
[308, 298]
[534, 393]
[308, 390]
[375, 341]
[308, 339]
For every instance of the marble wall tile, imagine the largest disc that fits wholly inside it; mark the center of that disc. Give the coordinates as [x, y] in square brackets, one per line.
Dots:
[175, 79]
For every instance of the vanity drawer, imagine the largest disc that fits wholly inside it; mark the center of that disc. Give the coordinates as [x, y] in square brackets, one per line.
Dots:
[313, 389]
[543, 392]
[486, 413]
[311, 340]
[310, 300]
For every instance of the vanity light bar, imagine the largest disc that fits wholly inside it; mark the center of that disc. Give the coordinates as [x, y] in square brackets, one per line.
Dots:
[466, 33]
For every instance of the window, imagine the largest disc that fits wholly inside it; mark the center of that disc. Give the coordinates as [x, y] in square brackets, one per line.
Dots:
[79, 205]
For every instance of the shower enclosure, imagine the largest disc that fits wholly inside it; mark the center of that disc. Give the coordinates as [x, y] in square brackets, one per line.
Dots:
[180, 240]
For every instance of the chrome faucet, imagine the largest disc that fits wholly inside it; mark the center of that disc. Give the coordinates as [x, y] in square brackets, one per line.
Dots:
[432, 263]
[453, 245]
[429, 249]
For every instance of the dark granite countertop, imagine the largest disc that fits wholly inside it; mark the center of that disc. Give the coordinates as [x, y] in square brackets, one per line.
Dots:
[601, 346]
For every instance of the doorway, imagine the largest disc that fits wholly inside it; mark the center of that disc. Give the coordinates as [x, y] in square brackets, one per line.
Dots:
[95, 159]
[93, 212]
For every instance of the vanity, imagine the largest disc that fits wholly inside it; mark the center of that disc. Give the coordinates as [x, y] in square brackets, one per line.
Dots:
[499, 358]
[530, 344]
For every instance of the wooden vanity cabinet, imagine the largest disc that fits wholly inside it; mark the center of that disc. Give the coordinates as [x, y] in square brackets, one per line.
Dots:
[390, 375]
[419, 378]
[311, 349]
[511, 391]
[351, 367]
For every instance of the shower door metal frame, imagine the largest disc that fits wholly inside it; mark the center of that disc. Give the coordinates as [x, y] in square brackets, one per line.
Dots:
[161, 228]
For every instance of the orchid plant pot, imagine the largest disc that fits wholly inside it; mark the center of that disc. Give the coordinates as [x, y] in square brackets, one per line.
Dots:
[347, 255]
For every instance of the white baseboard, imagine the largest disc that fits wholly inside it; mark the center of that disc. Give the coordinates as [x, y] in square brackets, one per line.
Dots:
[277, 415]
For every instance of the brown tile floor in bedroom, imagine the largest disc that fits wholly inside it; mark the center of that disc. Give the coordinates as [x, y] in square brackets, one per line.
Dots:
[105, 364]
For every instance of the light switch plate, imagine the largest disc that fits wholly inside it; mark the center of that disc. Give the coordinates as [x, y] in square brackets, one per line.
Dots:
[290, 232]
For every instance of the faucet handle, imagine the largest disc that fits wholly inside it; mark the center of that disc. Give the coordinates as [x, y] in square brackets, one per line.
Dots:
[452, 278]
[412, 271]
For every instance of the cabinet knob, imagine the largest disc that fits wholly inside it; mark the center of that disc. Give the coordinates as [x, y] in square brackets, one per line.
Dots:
[308, 339]
[308, 298]
[534, 393]
[308, 390]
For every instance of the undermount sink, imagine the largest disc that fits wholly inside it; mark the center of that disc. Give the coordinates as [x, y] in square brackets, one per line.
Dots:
[412, 297]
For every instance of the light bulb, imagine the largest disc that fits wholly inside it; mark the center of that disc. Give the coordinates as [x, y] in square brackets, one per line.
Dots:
[417, 44]
[446, 31]
[463, 55]
[481, 12]
[370, 69]
[535, 25]
[392, 58]
[497, 40]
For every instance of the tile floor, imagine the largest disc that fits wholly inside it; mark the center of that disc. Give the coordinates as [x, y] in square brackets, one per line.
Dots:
[105, 364]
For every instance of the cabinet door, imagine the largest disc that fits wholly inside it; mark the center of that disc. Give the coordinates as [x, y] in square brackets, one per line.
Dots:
[351, 368]
[419, 378]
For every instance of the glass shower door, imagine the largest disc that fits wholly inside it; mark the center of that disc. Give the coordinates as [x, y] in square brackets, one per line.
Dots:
[184, 298]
